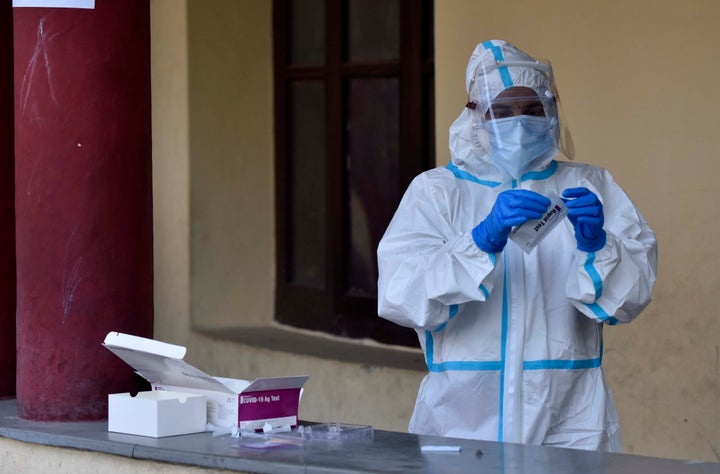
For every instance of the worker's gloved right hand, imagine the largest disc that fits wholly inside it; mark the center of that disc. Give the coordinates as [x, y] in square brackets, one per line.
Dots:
[585, 211]
[511, 208]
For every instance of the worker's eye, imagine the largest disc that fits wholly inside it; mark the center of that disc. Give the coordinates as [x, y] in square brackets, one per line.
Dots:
[500, 111]
[534, 110]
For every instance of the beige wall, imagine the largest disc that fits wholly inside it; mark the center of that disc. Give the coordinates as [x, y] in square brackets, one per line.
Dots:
[231, 161]
[171, 169]
[636, 80]
[29, 458]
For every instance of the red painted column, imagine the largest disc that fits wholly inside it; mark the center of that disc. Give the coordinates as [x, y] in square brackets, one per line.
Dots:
[7, 207]
[83, 197]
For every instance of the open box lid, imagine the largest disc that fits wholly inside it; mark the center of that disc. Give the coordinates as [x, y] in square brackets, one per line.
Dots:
[161, 363]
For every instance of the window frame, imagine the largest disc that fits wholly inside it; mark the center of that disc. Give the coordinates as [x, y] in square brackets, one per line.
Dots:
[332, 309]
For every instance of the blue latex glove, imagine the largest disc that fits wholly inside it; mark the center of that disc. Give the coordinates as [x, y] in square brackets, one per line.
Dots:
[511, 208]
[585, 211]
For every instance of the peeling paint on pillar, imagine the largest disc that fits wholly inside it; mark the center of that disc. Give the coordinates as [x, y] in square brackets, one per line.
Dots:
[83, 191]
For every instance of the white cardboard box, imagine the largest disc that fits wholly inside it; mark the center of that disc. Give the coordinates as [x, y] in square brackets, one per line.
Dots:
[157, 413]
[245, 404]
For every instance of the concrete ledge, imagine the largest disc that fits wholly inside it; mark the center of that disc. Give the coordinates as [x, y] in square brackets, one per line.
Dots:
[388, 452]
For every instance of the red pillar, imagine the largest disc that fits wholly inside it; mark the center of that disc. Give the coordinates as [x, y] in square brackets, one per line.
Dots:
[83, 200]
[7, 208]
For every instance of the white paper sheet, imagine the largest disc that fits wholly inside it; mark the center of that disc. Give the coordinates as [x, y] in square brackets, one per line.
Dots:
[86, 4]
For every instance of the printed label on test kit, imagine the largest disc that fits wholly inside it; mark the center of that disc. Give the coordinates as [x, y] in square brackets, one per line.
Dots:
[529, 234]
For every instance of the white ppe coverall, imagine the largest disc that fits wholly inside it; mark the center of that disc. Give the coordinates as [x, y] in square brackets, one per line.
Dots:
[512, 341]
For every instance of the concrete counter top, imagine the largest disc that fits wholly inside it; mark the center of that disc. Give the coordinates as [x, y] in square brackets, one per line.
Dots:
[387, 452]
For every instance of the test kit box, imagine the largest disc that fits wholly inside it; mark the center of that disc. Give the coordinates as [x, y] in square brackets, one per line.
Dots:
[157, 414]
[249, 405]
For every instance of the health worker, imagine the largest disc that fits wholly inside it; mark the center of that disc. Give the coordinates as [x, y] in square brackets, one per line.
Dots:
[513, 340]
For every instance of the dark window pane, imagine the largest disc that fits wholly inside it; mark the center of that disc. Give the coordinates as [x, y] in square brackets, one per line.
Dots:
[430, 118]
[339, 184]
[372, 166]
[374, 30]
[307, 185]
[428, 39]
[307, 37]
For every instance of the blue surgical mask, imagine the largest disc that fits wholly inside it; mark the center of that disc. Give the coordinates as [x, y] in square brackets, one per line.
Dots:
[519, 144]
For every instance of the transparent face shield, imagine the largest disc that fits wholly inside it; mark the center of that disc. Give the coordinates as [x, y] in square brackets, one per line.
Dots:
[520, 88]
[520, 101]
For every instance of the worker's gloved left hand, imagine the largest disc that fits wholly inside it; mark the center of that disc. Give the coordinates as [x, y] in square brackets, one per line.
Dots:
[585, 211]
[512, 207]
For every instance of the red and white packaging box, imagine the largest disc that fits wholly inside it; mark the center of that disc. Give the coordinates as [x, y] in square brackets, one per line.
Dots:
[249, 405]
